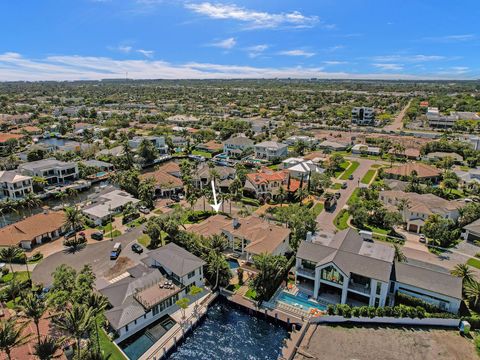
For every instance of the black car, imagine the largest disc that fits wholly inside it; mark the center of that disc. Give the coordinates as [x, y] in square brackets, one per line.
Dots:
[175, 198]
[337, 195]
[97, 235]
[350, 177]
[137, 248]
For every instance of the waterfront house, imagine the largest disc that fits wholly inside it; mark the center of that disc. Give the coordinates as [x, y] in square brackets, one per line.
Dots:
[212, 147]
[107, 203]
[439, 155]
[267, 183]
[157, 141]
[419, 207]
[167, 179]
[246, 236]
[101, 166]
[203, 176]
[270, 150]
[14, 185]
[238, 145]
[34, 230]
[345, 269]
[299, 168]
[52, 170]
[362, 149]
[6, 138]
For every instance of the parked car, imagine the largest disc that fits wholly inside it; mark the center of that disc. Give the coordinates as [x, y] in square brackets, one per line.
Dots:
[344, 185]
[117, 249]
[175, 198]
[337, 195]
[97, 235]
[422, 239]
[137, 248]
[144, 210]
[350, 177]
[69, 234]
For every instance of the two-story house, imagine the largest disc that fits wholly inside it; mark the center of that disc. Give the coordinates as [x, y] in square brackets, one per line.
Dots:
[418, 207]
[52, 170]
[238, 145]
[345, 269]
[14, 185]
[157, 141]
[270, 150]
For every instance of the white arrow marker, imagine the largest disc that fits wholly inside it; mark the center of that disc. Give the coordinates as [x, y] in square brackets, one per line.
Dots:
[215, 206]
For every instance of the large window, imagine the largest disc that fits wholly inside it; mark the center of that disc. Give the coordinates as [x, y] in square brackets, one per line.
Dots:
[331, 274]
[191, 274]
[309, 265]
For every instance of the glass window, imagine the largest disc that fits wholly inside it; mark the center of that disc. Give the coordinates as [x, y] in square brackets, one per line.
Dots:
[331, 274]
[310, 265]
[379, 288]
[191, 274]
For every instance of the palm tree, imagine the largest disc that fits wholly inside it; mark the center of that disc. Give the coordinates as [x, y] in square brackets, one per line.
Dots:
[402, 205]
[399, 256]
[214, 265]
[47, 348]
[73, 219]
[31, 201]
[9, 253]
[282, 194]
[472, 292]
[97, 303]
[76, 321]
[6, 206]
[11, 335]
[463, 271]
[33, 307]
[192, 199]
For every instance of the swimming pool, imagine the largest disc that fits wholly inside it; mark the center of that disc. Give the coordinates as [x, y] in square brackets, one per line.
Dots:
[233, 263]
[301, 302]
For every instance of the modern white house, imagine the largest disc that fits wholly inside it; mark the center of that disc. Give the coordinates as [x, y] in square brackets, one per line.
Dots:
[238, 145]
[157, 141]
[309, 140]
[362, 149]
[107, 203]
[345, 269]
[14, 185]
[418, 207]
[298, 168]
[270, 150]
[148, 293]
[52, 170]
[363, 116]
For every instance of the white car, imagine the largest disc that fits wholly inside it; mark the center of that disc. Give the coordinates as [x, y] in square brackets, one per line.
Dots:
[422, 239]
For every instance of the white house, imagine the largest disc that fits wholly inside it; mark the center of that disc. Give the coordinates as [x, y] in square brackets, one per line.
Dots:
[292, 140]
[52, 170]
[14, 185]
[360, 149]
[236, 146]
[157, 141]
[270, 150]
[345, 269]
[303, 168]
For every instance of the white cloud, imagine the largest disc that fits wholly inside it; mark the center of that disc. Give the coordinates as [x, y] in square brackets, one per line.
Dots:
[297, 52]
[256, 50]
[146, 53]
[124, 48]
[388, 66]
[14, 66]
[451, 38]
[225, 44]
[253, 18]
[408, 58]
[334, 62]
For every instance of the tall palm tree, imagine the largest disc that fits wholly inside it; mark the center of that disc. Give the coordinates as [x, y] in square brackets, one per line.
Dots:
[73, 219]
[402, 206]
[47, 348]
[7, 206]
[463, 271]
[34, 308]
[399, 256]
[77, 321]
[472, 292]
[9, 253]
[98, 303]
[214, 264]
[12, 336]
[281, 195]
[31, 201]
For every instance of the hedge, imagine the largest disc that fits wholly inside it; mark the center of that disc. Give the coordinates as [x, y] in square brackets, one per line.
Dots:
[412, 301]
[252, 202]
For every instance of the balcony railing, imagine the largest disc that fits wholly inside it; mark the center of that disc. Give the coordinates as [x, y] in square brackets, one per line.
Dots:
[364, 289]
[306, 272]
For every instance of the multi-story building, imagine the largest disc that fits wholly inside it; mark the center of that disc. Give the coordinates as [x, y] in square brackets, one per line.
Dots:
[267, 183]
[270, 150]
[149, 294]
[157, 141]
[363, 116]
[236, 146]
[345, 269]
[52, 170]
[14, 185]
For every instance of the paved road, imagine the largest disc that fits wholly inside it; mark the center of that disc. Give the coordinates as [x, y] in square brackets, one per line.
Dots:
[325, 219]
[97, 255]
[398, 121]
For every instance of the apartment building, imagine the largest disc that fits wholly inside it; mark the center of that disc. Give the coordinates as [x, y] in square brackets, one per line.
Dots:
[363, 116]
[14, 185]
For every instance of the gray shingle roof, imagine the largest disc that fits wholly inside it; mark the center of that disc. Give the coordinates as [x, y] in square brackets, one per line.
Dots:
[176, 259]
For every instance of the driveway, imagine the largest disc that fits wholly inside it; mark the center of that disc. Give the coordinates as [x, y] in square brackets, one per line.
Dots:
[397, 123]
[97, 255]
[325, 219]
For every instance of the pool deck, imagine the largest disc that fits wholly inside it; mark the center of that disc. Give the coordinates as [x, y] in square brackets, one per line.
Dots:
[170, 339]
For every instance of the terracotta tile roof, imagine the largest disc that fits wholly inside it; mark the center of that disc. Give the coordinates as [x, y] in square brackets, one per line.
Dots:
[210, 226]
[163, 177]
[423, 170]
[265, 175]
[7, 136]
[211, 145]
[31, 227]
[28, 129]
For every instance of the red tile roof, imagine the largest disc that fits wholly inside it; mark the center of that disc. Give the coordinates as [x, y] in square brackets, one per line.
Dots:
[7, 136]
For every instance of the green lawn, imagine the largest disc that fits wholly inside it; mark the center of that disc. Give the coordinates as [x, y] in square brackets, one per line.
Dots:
[144, 240]
[353, 197]
[336, 186]
[158, 211]
[251, 294]
[108, 348]
[474, 262]
[274, 166]
[19, 276]
[343, 167]
[368, 177]
[205, 154]
[317, 209]
[341, 219]
[377, 166]
[351, 169]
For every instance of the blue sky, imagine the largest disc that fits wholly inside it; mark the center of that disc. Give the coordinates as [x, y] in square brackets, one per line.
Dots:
[96, 39]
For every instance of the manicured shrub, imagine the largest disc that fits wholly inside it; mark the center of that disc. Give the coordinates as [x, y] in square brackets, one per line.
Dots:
[364, 311]
[379, 312]
[331, 309]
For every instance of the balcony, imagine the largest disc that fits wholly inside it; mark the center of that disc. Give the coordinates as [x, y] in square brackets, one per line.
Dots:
[361, 288]
[305, 272]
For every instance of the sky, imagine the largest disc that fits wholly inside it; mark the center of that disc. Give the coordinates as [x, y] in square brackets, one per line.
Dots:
[195, 39]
